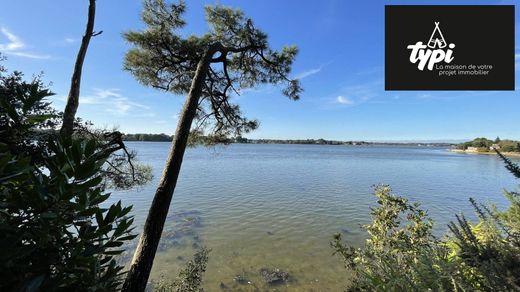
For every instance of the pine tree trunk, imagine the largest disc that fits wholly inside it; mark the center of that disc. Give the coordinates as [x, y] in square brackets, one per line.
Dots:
[142, 262]
[73, 99]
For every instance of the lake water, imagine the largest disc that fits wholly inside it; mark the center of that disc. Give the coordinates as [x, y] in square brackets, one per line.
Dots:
[278, 206]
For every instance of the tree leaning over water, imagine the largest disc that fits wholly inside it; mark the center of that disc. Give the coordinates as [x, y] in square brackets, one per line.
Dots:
[234, 55]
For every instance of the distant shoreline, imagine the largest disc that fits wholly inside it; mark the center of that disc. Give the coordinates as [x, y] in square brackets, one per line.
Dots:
[240, 140]
[404, 144]
[511, 154]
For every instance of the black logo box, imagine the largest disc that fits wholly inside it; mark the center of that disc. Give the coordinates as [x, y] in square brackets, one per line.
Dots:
[482, 34]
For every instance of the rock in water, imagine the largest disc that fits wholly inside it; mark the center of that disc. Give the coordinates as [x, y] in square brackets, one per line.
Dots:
[241, 280]
[275, 276]
[346, 231]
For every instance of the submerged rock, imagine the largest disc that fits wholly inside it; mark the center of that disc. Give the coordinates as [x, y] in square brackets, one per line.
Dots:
[347, 231]
[192, 221]
[170, 235]
[181, 230]
[241, 280]
[274, 276]
[184, 213]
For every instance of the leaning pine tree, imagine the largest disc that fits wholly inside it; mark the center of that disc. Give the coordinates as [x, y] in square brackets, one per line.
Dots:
[232, 56]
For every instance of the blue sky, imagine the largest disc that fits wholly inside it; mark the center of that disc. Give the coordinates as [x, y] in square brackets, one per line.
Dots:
[341, 65]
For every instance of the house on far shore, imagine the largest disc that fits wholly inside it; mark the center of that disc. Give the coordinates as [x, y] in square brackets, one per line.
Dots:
[494, 147]
[472, 149]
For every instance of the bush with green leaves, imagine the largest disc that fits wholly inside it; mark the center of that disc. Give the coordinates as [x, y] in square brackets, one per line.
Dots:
[55, 234]
[28, 122]
[26, 118]
[402, 254]
[490, 249]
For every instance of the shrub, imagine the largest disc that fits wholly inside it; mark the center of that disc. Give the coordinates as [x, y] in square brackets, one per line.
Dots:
[28, 122]
[401, 254]
[54, 234]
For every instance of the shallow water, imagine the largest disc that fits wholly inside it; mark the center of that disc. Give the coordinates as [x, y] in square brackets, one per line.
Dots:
[277, 206]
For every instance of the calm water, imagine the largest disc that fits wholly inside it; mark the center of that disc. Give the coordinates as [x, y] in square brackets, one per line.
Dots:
[277, 206]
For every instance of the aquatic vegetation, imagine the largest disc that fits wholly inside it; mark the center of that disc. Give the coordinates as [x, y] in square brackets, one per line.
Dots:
[274, 276]
[182, 230]
[269, 278]
[189, 278]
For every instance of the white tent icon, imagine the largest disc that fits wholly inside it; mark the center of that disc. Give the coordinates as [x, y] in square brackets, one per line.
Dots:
[437, 39]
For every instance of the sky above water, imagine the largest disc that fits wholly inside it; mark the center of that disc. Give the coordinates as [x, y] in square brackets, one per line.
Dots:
[340, 64]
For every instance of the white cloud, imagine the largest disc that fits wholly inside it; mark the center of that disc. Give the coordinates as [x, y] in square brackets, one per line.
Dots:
[116, 103]
[14, 42]
[344, 100]
[15, 45]
[308, 73]
[359, 93]
[28, 55]
[70, 40]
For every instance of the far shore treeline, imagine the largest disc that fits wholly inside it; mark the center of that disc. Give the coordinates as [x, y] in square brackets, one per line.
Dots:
[481, 145]
[148, 137]
[168, 138]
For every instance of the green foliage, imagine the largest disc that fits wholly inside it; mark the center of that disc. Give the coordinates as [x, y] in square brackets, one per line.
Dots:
[477, 142]
[28, 122]
[26, 119]
[401, 254]
[484, 145]
[162, 57]
[491, 248]
[189, 278]
[509, 146]
[148, 137]
[54, 232]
